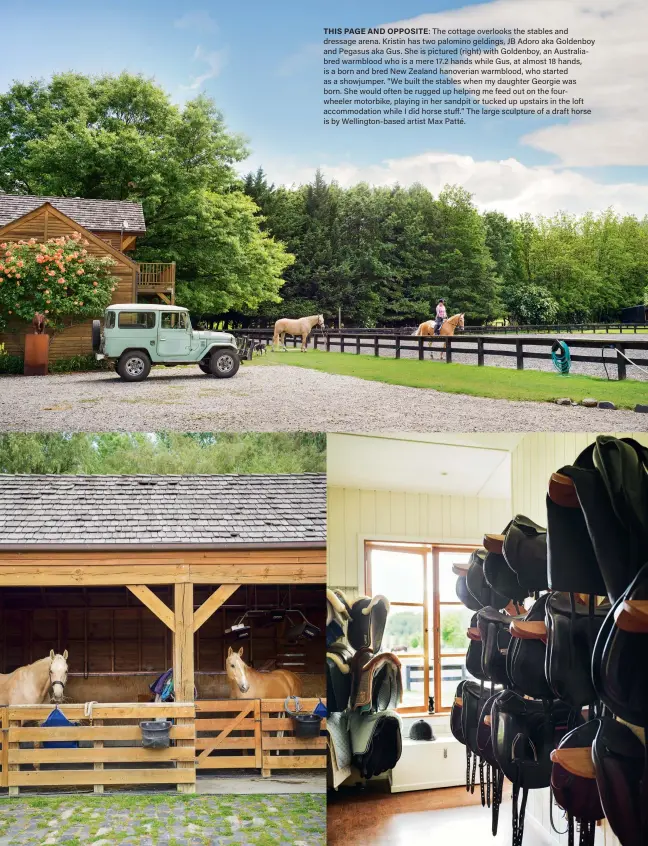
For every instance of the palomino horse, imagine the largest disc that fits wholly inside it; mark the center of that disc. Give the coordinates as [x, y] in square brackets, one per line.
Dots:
[246, 683]
[31, 685]
[447, 328]
[299, 326]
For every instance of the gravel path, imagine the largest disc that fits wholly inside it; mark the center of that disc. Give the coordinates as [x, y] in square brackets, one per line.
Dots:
[274, 398]
[582, 368]
[119, 820]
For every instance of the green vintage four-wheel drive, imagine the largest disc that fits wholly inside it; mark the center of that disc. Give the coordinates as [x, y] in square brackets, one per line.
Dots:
[138, 336]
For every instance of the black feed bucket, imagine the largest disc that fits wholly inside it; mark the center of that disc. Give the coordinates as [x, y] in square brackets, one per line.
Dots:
[306, 725]
[155, 734]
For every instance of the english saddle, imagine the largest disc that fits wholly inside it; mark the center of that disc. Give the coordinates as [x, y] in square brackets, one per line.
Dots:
[525, 551]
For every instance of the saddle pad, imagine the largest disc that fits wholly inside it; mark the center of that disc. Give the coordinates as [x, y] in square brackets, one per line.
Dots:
[339, 745]
[378, 684]
[376, 741]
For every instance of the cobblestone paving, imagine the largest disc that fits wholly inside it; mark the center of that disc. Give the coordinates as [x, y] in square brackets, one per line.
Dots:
[147, 820]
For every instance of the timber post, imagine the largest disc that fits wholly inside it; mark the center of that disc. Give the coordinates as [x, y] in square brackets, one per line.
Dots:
[183, 663]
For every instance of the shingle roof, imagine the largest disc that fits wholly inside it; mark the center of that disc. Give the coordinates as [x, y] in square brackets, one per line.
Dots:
[95, 215]
[229, 510]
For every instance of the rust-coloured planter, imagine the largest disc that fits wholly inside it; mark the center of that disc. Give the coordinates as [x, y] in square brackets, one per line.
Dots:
[36, 355]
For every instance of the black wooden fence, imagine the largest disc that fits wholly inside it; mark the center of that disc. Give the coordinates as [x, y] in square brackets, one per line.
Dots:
[595, 351]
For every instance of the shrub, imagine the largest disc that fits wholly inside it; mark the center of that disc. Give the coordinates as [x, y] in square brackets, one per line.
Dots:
[58, 278]
[532, 304]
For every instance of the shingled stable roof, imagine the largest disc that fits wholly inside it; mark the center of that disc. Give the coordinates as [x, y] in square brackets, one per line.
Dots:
[227, 510]
[94, 215]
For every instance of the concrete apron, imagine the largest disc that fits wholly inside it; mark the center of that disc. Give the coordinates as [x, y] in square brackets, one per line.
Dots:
[305, 781]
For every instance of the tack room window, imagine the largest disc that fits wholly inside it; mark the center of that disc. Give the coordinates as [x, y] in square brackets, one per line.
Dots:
[426, 626]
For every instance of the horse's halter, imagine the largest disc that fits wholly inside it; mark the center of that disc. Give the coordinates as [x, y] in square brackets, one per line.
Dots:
[53, 683]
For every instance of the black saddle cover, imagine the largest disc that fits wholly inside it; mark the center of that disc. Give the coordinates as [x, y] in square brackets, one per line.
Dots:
[525, 551]
[502, 579]
[576, 795]
[474, 655]
[456, 725]
[619, 764]
[495, 638]
[525, 731]
[526, 659]
[465, 596]
[571, 633]
[338, 680]
[477, 585]
[368, 617]
[620, 679]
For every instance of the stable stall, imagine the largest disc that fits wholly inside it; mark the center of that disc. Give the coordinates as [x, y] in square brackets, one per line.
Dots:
[134, 576]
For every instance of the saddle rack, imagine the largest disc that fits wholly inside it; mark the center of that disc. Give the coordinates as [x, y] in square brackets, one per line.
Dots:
[529, 630]
[562, 491]
[494, 543]
[632, 616]
[578, 761]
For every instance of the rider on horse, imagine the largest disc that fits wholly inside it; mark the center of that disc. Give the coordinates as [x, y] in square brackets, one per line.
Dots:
[441, 315]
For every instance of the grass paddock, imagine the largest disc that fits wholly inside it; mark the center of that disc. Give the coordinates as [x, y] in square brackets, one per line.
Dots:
[492, 382]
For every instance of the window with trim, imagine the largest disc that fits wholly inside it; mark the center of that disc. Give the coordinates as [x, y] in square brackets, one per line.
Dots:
[137, 319]
[174, 320]
[426, 626]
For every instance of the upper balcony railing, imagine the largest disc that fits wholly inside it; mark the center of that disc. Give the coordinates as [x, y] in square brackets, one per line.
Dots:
[156, 276]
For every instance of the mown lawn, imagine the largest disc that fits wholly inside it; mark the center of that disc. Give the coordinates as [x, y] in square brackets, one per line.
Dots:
[493, 382]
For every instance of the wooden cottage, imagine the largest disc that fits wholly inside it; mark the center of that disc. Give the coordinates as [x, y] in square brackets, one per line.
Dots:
[135, 575]
[111, 227]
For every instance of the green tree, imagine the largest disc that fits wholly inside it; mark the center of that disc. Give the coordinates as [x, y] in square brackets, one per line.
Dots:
[164, 453]
[120, 138]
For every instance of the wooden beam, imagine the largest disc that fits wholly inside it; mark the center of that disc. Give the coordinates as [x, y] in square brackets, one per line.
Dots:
[212, 604]
[183, 670]
[154, 604]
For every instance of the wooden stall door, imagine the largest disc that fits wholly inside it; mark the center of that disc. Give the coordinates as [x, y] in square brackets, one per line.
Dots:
[281, 749]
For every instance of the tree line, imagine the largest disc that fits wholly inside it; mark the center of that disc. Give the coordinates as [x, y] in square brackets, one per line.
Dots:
[248, 251]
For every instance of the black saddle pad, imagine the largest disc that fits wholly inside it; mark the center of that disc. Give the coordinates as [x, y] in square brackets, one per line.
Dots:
[474, 655]
[474, 698]
[455, 714]
[465, 596]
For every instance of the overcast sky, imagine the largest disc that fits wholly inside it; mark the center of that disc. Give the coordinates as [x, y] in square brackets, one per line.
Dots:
[261, 62]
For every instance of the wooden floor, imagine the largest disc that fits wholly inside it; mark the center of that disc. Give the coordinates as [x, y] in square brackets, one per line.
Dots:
[444, 817]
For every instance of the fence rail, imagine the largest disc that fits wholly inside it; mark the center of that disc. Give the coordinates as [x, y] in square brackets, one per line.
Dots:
[519, 329]
[103, 748]
[521, 349]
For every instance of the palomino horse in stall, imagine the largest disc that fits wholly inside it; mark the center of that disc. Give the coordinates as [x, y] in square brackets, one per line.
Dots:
[447, 328]
[299, 326]
[246, 683]
[36, 683]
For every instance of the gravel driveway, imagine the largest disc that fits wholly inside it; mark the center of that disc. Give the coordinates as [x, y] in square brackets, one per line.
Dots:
[274, 398]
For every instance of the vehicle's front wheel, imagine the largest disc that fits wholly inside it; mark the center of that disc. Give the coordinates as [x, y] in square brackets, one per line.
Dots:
[134, 366]
[223, 364]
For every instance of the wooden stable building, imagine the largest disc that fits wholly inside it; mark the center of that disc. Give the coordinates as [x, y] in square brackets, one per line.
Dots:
[111, 228]
[134, 575]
